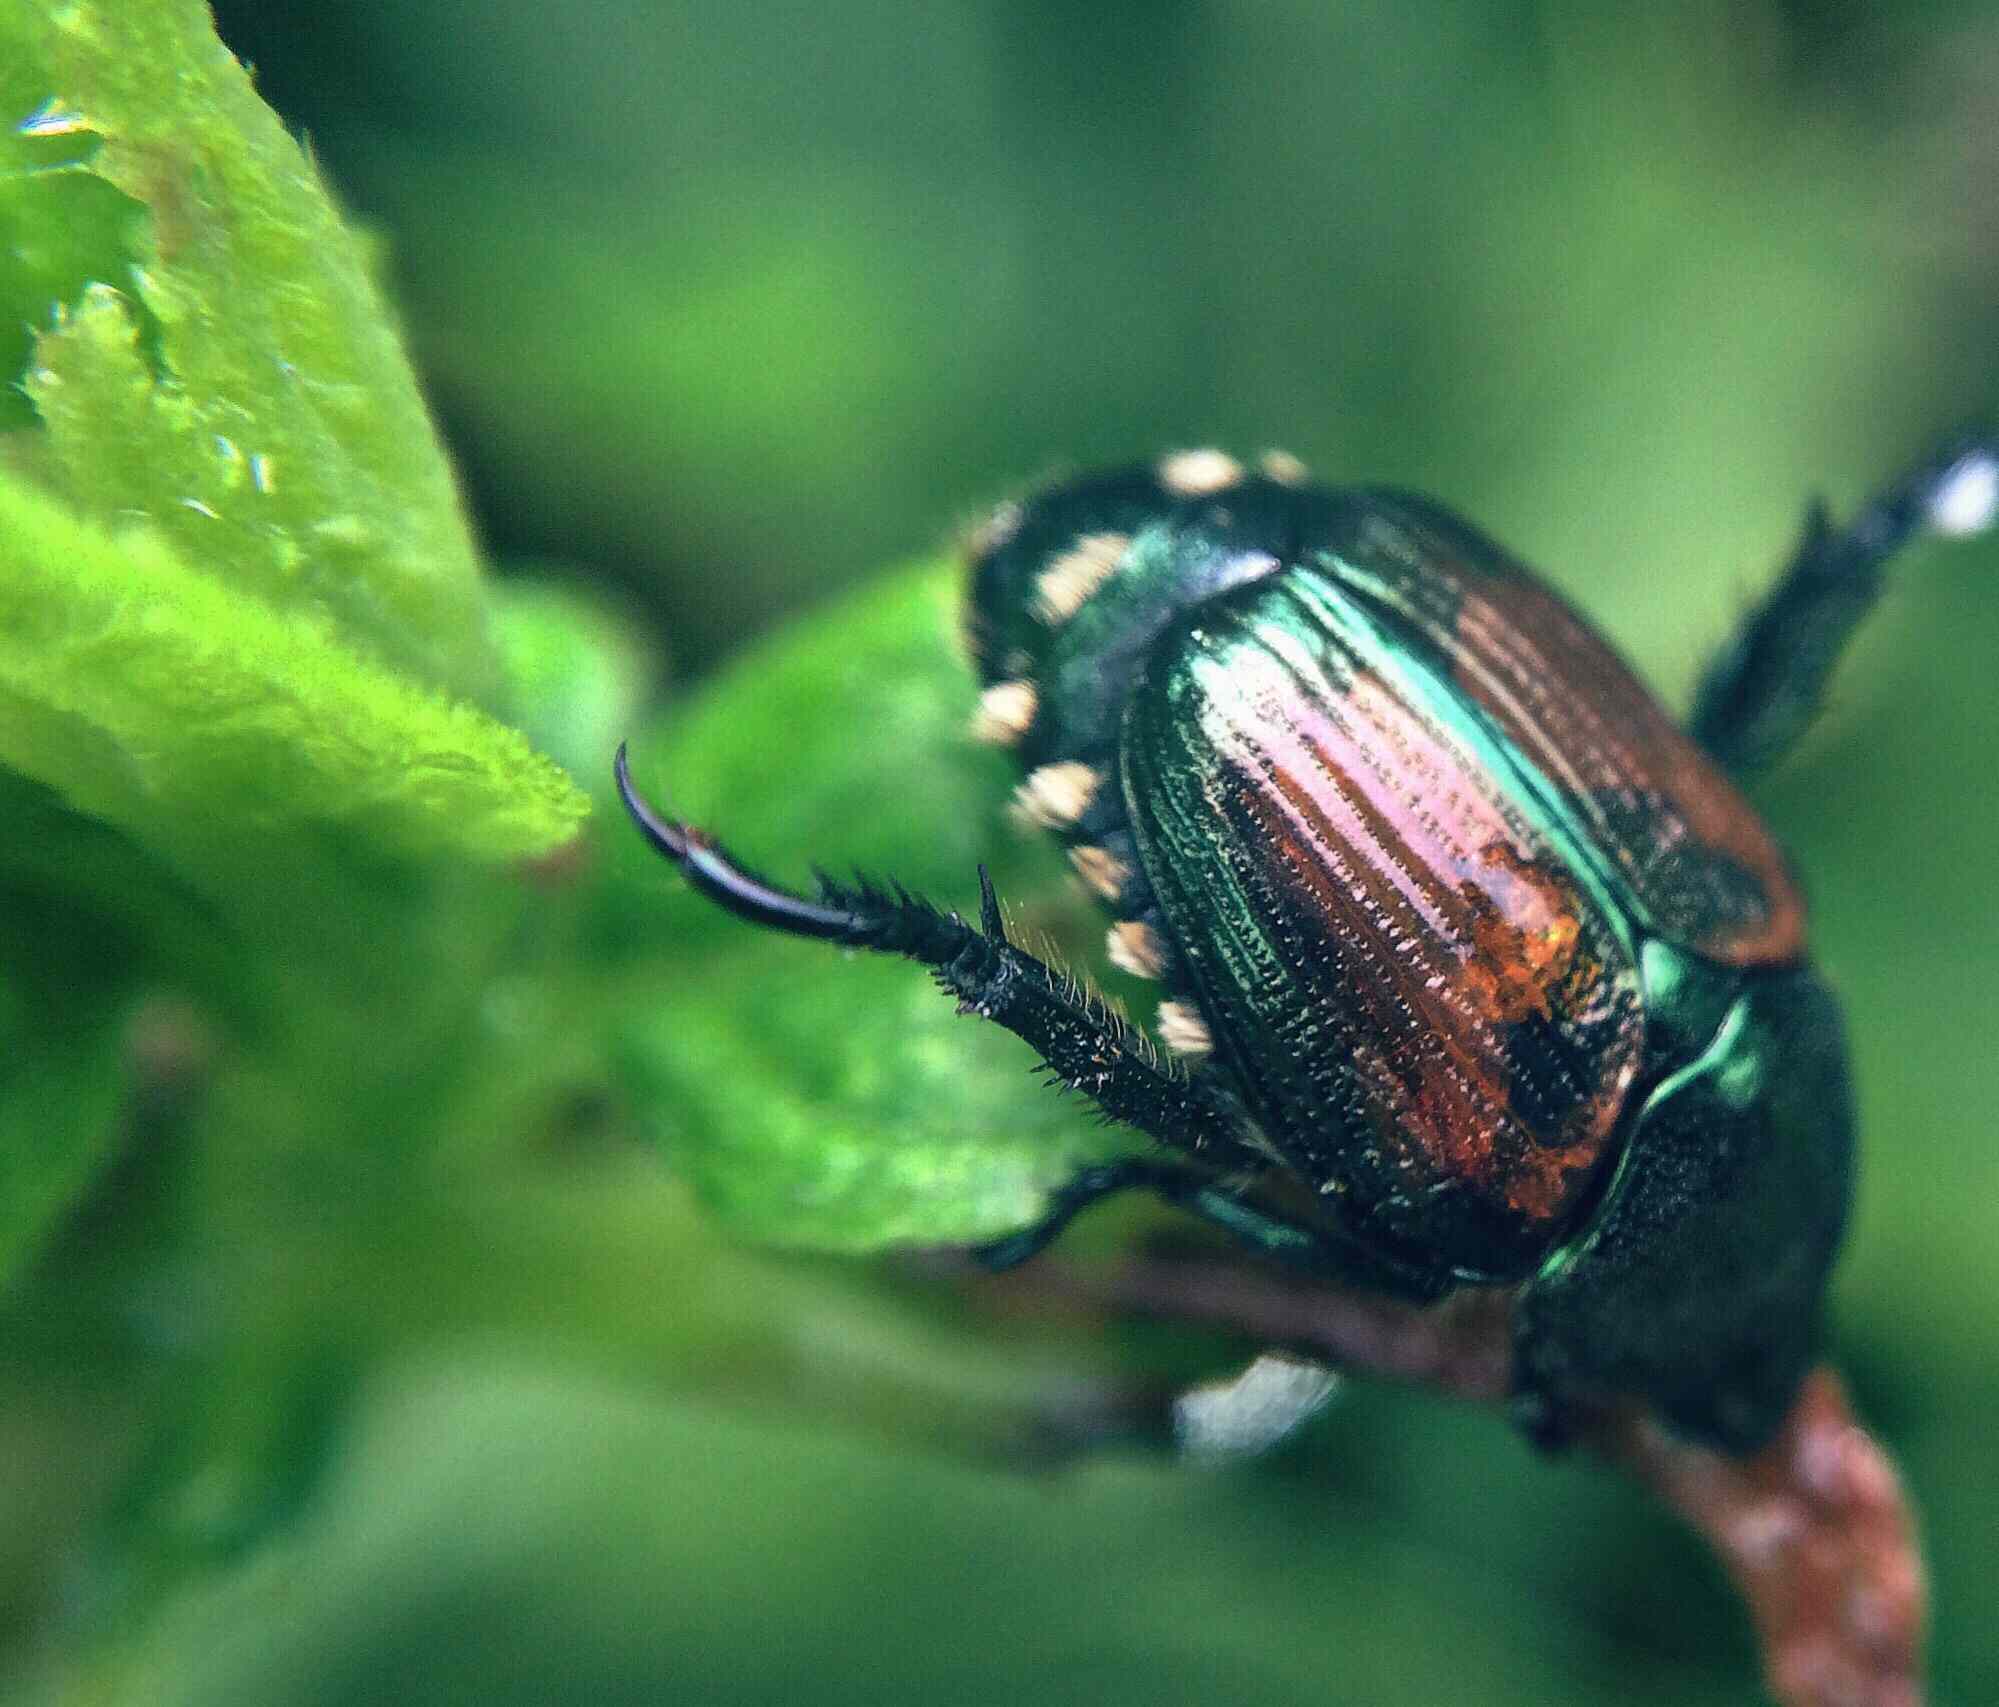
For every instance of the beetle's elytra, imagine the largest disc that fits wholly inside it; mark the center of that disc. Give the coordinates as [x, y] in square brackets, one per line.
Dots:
[1479, 968]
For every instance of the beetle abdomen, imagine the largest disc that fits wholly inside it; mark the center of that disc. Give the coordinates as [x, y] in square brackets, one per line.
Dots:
[1429, 1014]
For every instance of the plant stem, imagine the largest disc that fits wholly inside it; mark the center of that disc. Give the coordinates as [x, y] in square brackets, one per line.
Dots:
[1814, 1529]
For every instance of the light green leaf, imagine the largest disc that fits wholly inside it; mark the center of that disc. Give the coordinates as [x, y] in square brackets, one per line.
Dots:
[273, 433]
[576, 668]
[156, 697]
[818, 1099]
[59, 230]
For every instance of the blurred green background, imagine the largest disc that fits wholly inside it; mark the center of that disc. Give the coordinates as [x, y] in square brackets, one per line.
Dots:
[725, 306]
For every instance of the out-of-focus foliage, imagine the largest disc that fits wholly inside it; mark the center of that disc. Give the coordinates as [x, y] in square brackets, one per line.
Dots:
[236, 592]
[211, 650]
[266, 424]
[384, 1324]
[163, 699]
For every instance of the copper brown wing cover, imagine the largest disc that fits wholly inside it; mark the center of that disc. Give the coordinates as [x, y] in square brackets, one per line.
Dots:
[1699, 867]
[1429, 1013]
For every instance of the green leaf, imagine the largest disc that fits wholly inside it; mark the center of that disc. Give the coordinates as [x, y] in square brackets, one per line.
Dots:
[576, 671]
[86, 897]
[820, 1100]
[61, 1025]
[825, 1099]
[60, 228]
[268, 426]
[156, 697]
[58, 1123]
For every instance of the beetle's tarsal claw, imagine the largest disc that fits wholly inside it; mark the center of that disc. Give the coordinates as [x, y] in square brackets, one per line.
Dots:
[671, 837]
[709, 869]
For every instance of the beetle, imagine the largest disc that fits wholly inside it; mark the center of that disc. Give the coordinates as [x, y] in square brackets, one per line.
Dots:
[1479, 970]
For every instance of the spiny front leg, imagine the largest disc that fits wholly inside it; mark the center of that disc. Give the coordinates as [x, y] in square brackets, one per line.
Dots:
[1766, 684]
[1086, 1046]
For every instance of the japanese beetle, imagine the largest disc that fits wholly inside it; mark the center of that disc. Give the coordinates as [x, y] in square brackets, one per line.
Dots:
[1479, 970]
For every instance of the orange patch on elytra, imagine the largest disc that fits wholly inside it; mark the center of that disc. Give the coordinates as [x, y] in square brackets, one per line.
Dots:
[1566, 700]
[1540, 1183]
[1525, 950]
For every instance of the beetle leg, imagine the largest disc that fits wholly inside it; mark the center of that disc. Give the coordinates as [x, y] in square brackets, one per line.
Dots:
[1218, 1202]
[1763, 688]
[1089, 1186]
[1179, 1186]
[1086, 1046]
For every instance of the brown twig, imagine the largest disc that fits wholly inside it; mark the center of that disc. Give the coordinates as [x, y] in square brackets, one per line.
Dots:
[1814, 1529]
[1817, 1535]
